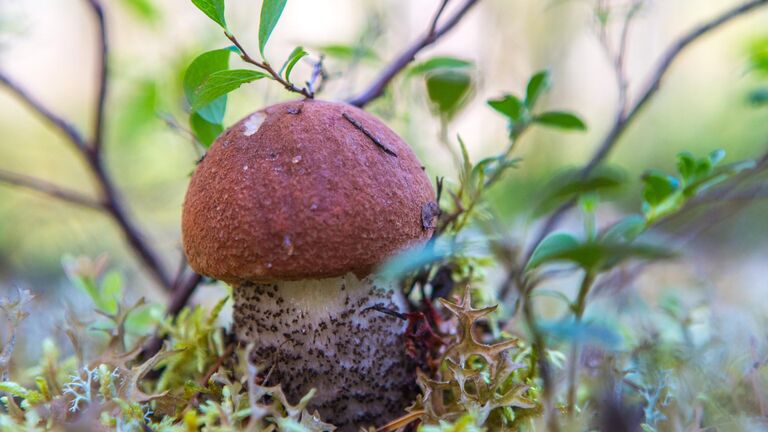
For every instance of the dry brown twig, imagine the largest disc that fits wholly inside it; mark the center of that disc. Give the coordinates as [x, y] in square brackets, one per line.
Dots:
[435, 32]
[91, 152]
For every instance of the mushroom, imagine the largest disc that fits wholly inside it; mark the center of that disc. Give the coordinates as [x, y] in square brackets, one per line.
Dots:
[295, 206]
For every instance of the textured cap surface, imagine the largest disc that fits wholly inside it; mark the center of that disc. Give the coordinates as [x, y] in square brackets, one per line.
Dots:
[301, 190]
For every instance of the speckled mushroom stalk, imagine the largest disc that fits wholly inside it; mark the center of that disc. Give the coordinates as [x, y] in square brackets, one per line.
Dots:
[325, 334]
[295, 206]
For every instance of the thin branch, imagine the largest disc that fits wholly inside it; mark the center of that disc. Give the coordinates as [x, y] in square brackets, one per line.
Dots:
[319, 76]
[620, 63]
[111, 202]
[50, 189]
[661, 70]
[268, 68]
[103, 79]
[376, 88]
[182, 292]
[127, 226]
[63, 126]
[438, 14]
[624, 120]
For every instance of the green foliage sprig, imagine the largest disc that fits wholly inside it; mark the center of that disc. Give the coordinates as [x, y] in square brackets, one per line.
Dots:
[208, 78]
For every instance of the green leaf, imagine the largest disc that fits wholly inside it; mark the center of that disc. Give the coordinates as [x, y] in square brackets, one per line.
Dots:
[144, 9]
[594, 255]
[144, 319]
[222, 82]
[437, 63]
[626, 229]
[198, 71]
[297, 54]
[413, 259]
[563, 120]
[270, 15]
[111, 292]
[466, 161]
[571, 184]
[758, 54]
[658, 186]
[204, 131]
[214, 9]
[759, 97]
[686, 166]
[13, 388]
[419, 256]
[551, 247]
[537, 85]
[716, 157]
[348, 52]
[508, 105]
[491, 165]
[448, 90]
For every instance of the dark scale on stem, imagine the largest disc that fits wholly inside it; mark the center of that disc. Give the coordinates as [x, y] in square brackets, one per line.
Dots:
[332, 341]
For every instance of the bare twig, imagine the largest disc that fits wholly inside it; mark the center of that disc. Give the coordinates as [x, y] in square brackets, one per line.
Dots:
[316, 82]
[103, 79]
[50, 189]
[624, 119]
[110, 201]
[573, 366]
[268, 69]
[438, 14]
[619, 63]
[63, 126]
[376, 88]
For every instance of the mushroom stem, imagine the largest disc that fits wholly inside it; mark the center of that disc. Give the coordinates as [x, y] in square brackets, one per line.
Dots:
[324, 334]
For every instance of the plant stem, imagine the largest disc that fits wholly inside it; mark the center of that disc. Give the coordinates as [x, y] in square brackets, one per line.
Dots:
[268, 68]
[538, 355]
[578, 312]
[435, 32]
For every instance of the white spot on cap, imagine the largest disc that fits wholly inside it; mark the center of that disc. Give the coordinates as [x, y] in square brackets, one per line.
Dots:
[296, 160]
[287, 245]
[253, 123]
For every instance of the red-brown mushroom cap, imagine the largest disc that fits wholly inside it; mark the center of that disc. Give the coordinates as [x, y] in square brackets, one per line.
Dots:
[304, 190]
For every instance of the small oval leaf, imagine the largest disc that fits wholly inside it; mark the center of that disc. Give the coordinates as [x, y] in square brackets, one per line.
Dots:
[297, 54]
[220, 83]
[537, 85]
[563, 120]
[437, 63]
[214, 9]
[198, 71]
[552, 247]
[448, 90]
[508, 105]
[204, 131]
[270, 15]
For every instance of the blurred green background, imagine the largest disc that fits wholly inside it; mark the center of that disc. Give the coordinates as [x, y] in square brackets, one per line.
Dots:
[49, 47]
